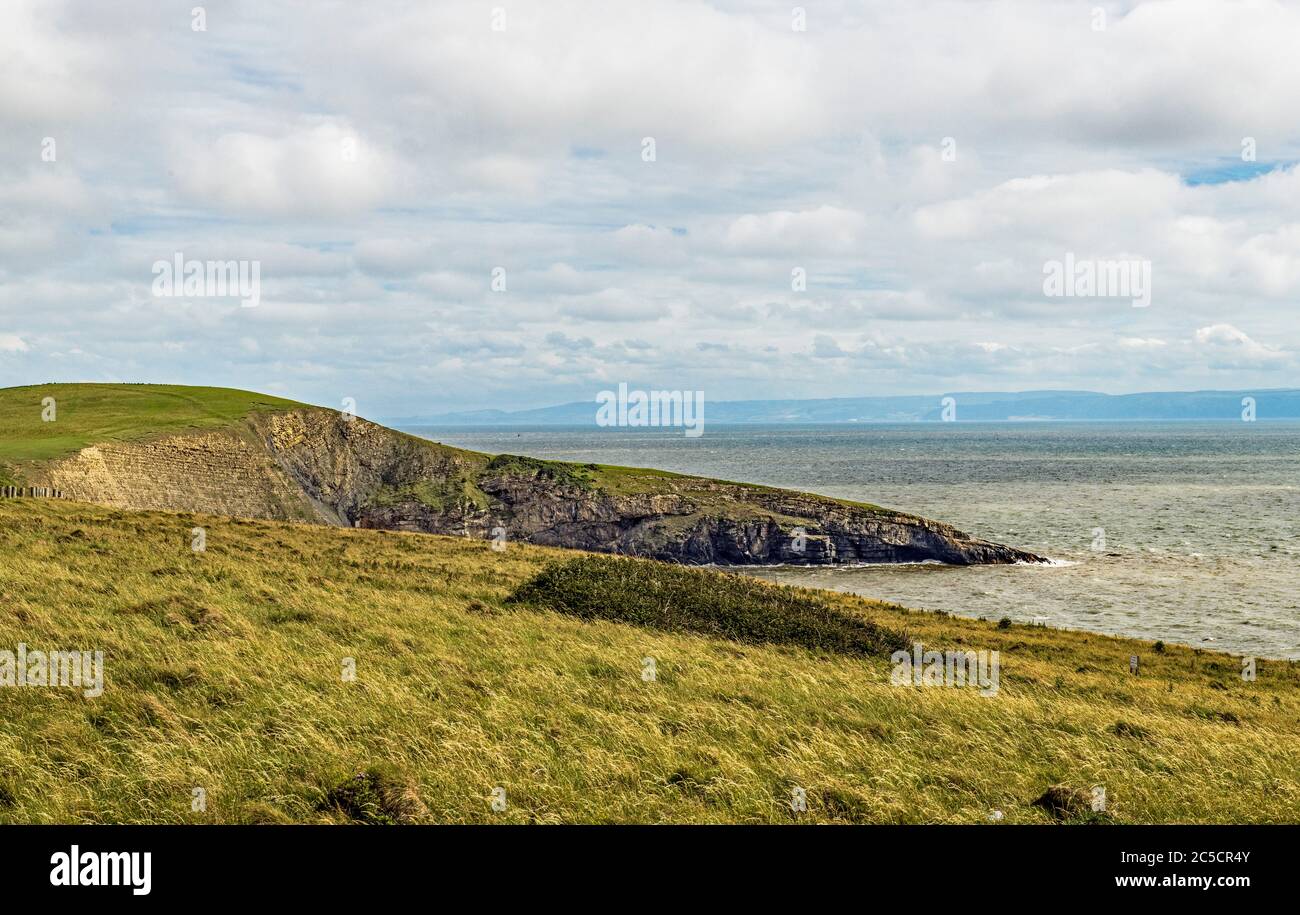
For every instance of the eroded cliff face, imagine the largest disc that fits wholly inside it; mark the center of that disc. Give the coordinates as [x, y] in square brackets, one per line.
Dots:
[323, 466]
[343, 463]
[223, 473]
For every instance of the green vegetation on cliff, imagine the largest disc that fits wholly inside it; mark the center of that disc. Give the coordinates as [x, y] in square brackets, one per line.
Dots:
[224, 670]
[437, 495]
[87, 414]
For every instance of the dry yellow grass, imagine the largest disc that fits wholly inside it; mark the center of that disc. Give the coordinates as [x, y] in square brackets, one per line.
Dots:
[224, 672]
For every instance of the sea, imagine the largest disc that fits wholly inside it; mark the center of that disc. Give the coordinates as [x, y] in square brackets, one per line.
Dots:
[1181, 531]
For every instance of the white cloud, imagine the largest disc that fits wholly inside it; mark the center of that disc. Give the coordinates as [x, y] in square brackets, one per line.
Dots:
[1230, 345]
[1140, 343]
[1272, 260]
[46, 72]
[826, 229]
[312, 169]
[509, 173]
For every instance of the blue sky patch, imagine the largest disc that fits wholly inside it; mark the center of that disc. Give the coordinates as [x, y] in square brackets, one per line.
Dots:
[1233, 170]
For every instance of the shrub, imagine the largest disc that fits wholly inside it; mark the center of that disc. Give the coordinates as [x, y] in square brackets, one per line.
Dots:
[677, 599]
[517, 465]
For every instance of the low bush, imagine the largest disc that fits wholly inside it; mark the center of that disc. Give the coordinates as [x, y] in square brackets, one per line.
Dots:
[679, 599]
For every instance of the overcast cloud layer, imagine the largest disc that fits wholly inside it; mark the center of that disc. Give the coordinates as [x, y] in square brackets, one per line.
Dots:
[776, 149]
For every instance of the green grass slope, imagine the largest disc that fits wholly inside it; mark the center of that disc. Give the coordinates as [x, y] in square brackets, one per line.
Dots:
[225, 671]
[86, 414]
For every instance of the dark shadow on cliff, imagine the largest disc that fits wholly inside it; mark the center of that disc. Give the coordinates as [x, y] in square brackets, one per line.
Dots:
[677, 599]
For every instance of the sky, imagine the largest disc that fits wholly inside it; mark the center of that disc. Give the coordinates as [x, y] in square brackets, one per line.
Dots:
[511, 204]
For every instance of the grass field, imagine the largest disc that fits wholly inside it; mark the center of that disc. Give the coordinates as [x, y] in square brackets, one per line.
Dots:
[86, 414]
[224, 670]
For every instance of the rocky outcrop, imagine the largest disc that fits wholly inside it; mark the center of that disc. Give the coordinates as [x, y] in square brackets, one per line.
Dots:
[318, 465]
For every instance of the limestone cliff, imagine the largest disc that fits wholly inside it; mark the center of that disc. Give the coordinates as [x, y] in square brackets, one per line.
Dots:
[317, 465]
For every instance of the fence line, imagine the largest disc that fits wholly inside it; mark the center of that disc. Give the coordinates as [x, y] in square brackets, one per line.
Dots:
[31, 492]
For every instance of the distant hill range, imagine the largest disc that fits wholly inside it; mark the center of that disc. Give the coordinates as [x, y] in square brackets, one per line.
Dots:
[1280, 403]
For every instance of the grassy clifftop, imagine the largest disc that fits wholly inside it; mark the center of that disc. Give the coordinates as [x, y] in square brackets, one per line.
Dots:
[87, 414]
[224, 671]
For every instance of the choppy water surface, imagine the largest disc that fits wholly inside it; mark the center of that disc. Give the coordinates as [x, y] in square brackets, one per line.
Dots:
[1199, 519]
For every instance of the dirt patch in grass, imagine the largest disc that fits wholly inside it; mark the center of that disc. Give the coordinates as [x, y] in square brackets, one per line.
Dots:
[1129, 729]
[676, 599]
[1070, 805]
[377, 796]
[845, 806]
